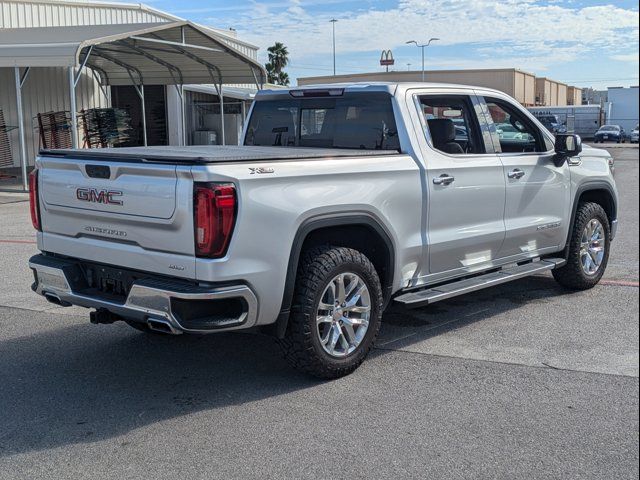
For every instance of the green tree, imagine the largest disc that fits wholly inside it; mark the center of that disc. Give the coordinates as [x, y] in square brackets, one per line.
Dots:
[278, 60]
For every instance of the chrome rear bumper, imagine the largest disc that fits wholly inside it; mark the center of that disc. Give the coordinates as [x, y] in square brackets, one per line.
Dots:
[148, 299]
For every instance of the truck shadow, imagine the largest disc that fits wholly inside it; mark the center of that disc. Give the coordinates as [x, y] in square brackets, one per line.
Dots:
[85, 383]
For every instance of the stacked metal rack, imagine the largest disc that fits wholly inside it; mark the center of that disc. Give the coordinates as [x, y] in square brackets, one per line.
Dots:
[6, 159]
[105, 127]
[55, 129]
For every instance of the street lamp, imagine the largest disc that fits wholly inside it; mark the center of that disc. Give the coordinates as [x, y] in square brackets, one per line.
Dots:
[333, 24]
[422, 46]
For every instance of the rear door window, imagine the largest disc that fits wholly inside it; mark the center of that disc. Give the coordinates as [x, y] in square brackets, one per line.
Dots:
[363, 121]
[452, 124]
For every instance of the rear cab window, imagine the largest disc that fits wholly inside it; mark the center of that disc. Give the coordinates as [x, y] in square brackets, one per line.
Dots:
[352, 120]
[452, 124]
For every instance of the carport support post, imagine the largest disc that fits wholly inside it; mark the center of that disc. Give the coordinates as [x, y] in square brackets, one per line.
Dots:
[183, 113]
[23, 145]
[221, 100]
[74, 114]
[144, 115]
[221, 96]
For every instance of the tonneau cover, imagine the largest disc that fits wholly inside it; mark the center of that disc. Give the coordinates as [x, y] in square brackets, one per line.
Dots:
[209, 154]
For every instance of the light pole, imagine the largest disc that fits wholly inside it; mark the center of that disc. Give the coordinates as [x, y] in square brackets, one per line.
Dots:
[422, 46]
[333, 25]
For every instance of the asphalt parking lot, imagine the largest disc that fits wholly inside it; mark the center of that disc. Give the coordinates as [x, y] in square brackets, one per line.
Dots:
[523, 381]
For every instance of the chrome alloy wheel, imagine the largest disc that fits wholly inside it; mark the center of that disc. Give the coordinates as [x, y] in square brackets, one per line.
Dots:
[342, 318]
[592, 247]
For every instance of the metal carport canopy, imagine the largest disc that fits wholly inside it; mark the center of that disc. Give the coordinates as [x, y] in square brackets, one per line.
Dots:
[172, 53]
[162, 54]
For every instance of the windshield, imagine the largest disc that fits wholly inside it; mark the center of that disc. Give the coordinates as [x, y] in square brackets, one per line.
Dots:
[352, 120]
[609, 128]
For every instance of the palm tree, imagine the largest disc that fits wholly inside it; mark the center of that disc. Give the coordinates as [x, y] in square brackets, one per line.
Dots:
[278, 60]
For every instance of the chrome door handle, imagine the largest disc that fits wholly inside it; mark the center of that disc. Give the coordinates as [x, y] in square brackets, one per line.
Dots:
[444, 179]
[517, 173]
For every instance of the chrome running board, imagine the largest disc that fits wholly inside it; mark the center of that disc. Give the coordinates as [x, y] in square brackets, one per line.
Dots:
[421, 298]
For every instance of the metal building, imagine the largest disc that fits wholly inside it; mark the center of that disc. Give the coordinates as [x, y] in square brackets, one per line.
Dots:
[550, 92]
[574, 96]
[72, 55]
[622, 108]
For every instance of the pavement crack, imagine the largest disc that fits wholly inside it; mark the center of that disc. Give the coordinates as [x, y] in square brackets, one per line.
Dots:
[545, 366]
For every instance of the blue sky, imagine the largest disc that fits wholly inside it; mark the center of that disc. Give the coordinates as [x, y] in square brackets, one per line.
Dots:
[584, 43]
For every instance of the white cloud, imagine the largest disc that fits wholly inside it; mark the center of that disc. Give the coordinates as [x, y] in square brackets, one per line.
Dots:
[631, 57]
[533, 34]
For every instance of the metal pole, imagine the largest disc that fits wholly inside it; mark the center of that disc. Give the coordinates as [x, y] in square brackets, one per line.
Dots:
[184, 116]
[23, 145]
[74, 115]
[144, 116]
[423, 62]
[221, 97]
[333, 24]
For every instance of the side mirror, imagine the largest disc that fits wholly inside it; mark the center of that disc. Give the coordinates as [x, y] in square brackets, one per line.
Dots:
[567, 146]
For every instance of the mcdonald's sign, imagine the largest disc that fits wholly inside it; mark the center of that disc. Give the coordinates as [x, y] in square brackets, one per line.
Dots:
[386, 58]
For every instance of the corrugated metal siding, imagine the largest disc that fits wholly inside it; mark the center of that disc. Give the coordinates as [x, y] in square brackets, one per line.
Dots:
[25, 14]
[250, 52]
[45, 89]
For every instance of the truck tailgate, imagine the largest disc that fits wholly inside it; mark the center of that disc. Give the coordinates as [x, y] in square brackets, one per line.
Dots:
[111, 212]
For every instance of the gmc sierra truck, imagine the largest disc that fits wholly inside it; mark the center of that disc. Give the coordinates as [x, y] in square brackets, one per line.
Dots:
[340, 200]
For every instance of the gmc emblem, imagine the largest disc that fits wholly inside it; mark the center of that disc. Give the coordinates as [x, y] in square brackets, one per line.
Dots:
[95, 195]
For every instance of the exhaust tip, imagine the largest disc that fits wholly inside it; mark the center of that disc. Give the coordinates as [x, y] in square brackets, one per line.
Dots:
[162, 326]
[55, 299]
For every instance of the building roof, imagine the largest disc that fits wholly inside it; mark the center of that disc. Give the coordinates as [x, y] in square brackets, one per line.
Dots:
[52, 13]
[66, 13]
[177, 52]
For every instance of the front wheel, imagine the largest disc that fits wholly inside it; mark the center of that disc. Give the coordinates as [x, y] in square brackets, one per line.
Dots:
[588, 249]
[336, 312]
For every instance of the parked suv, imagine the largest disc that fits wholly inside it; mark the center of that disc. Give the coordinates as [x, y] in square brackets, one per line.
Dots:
[341, 200]
[633, 137]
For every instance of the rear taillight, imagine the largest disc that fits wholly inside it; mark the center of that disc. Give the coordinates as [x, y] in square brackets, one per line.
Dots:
[34, 205]
[214, 218]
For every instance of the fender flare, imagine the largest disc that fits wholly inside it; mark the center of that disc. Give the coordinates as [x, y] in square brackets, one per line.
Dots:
[322, 221]
[589, 185]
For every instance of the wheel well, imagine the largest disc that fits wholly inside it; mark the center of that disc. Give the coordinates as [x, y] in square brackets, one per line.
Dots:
[360, 232]
[359, 237]
[603, 198]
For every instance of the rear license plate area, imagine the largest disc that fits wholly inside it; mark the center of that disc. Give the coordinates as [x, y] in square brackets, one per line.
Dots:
[110, 283]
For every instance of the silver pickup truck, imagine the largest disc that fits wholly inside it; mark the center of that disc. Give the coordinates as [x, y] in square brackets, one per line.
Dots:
[342, 199]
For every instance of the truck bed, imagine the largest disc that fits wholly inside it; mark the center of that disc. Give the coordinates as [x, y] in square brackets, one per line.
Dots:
[210, 154]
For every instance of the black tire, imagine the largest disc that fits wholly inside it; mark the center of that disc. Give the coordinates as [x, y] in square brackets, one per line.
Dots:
[302, 345]
[572, 275]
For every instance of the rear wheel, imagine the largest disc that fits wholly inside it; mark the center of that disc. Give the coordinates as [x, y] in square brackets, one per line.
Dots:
[588, 249]
[336, 313]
